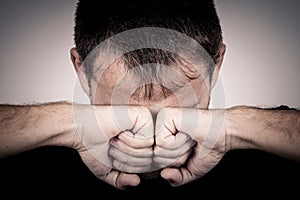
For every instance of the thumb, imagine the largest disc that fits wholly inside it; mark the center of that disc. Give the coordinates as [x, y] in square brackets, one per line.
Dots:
[177, 176]
[124, 180]
[120, 180]
[172, 175]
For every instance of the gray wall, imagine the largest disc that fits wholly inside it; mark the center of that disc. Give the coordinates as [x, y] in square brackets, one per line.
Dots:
[261, 65]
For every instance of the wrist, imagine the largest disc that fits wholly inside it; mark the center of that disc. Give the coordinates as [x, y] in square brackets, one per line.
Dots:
[64, 132]
[237, 128]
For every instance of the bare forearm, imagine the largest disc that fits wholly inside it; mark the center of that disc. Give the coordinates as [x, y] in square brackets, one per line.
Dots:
[274, 131]
[26, 127]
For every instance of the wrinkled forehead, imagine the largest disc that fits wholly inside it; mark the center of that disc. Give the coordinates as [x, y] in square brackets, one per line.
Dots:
[166, 40]
[118, 79]
[118, 86]
[151, 82]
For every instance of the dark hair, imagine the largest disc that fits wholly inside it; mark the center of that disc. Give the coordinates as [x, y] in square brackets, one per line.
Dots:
[96, 21]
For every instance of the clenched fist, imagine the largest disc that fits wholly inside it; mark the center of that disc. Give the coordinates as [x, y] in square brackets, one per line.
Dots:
[205, 127]
[98, 126]
[134, 153]
[186, 144]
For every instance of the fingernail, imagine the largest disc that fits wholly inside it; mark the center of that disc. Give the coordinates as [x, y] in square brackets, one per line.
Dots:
[113, 141]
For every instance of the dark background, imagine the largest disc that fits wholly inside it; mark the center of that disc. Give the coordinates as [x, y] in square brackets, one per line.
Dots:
[59, 172]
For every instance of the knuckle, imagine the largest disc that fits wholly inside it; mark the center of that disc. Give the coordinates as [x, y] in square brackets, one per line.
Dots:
[117, 165]
[160, 141]
[157, 151]
[150, 141]
[112, 151]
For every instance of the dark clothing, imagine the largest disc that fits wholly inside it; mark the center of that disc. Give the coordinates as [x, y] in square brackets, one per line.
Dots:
[56, 171]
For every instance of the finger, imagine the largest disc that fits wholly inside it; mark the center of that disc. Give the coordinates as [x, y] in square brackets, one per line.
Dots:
[202, 161]
[165, 127]
[178, 140]
[100, 170]
[128, 160]
[143, 120]
[164, 138]
[182, 159]
[161, 152]
[135, 140]
[177, 176]
[124, 180]
[115, 119]
[129, 168]
[179, 119]
[142, 152]
[173, 176]
[120, 180]
[172, 162]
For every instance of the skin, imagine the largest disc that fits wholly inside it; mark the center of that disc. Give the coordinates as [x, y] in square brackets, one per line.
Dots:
[241, 127]
[179, 143]
[27, 127]
[177, 128]
[126, 145]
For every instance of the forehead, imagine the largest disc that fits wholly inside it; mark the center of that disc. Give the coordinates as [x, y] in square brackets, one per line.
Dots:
[118, 86]
[134, 79]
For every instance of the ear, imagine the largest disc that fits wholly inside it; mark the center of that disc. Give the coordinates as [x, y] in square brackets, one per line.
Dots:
[218, 64]
[75, 58]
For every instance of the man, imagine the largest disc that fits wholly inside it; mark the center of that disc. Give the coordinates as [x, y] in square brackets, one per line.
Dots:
[167, 132]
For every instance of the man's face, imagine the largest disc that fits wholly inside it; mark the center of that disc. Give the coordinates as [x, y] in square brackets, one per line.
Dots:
[117, 86]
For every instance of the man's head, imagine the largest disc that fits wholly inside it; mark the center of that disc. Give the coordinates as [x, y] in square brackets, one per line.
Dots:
[152, 77]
